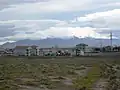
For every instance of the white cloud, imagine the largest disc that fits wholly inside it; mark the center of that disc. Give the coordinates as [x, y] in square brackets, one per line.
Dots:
[86, 25]
[107, 19]
[61, 6]
[38, 29]
[59, 32]
[31, 29]
[32, 25]
[107, 14]
[50, 6]
[6, 3]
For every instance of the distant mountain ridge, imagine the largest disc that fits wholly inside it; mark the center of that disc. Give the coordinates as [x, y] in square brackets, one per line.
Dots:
[68, 42]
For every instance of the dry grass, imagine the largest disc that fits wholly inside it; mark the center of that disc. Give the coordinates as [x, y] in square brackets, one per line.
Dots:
[35, 71]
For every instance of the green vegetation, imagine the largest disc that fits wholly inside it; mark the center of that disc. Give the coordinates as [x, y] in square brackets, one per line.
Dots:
[87, 81]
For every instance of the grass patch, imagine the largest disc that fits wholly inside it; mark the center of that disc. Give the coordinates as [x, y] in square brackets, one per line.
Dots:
[15, 71]
[87, 81]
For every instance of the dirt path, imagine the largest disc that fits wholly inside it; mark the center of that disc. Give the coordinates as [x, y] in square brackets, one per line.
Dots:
[31, 88]
[100, 85]
[68, 81]
[83, 72]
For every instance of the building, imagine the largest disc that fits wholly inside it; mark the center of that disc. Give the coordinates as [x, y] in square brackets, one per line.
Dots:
[2, 51]
[22, 50]
[70, 50]
[80, 49]
[35, 50]
[8, 52]
[53, 51]
[26, 51]
[48, 51]
[83, 49]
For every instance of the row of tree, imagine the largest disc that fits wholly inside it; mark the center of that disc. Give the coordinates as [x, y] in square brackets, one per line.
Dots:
[108, 49]
[101, 49]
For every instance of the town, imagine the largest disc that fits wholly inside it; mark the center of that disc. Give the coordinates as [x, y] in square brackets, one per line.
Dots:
[79, 50]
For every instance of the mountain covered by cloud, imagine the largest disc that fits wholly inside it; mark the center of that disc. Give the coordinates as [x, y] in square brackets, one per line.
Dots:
[40, 19]
[68, 42]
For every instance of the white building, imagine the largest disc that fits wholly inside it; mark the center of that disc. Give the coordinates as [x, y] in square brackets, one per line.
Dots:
[35, 50]
[83, 49]
[26, 51]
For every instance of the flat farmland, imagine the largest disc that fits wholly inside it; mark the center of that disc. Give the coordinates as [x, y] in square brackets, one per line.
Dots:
[55, 73]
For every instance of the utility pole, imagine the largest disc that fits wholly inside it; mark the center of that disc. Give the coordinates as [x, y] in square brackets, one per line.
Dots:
[101, 46]
[111, 40]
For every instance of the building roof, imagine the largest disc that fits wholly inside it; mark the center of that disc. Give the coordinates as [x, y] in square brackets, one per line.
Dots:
[57, 48]
[25, 47]
[21, 47]
[2, 49]
[34, 46]
[81, 44]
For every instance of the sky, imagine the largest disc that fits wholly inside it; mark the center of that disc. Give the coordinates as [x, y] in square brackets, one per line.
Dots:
[38, 19]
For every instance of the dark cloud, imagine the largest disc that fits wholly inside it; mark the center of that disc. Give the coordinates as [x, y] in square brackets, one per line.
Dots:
[6, 30]
[6, 3]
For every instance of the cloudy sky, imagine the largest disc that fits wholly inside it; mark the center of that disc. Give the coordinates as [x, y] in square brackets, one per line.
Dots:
[37, 19]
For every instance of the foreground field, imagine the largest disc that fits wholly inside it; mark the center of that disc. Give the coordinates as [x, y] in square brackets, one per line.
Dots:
[35, 73]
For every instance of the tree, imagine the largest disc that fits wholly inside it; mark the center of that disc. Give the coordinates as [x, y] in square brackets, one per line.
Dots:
[81, 44]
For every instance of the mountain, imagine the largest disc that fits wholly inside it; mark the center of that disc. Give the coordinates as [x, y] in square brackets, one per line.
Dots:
[8, 45]
[68, 42]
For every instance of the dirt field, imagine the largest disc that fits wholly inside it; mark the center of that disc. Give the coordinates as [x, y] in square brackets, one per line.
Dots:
[63, 73]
